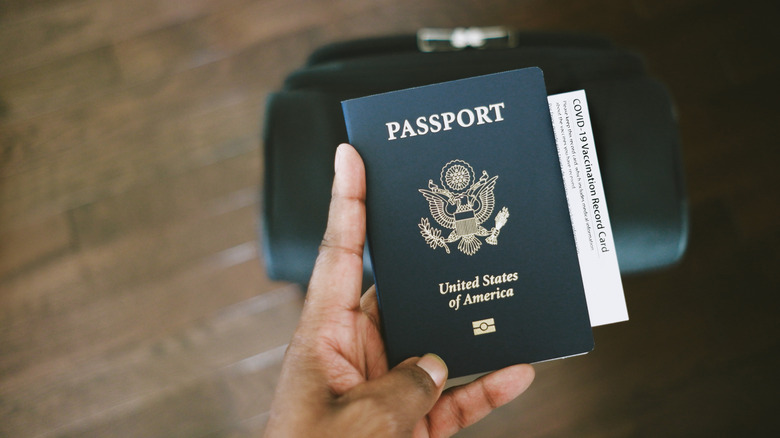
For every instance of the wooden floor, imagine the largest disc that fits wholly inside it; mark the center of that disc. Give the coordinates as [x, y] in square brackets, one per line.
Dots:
[133, 301]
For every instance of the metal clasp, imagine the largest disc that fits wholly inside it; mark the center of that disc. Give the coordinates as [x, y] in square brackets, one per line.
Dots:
[447, 40]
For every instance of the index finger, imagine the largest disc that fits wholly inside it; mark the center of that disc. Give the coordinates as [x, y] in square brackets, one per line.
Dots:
[338, 272]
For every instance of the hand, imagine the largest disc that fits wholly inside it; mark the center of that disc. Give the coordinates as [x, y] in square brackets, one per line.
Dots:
[335, 380]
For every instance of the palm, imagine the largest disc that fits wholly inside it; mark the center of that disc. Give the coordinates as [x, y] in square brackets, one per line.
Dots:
[356, 352]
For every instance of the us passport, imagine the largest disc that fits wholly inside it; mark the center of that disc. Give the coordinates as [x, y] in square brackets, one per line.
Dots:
[468, 227]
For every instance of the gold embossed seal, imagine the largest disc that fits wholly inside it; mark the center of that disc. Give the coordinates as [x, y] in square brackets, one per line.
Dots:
[462, 205]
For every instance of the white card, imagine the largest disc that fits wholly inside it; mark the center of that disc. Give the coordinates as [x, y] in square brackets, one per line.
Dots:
[588, 208]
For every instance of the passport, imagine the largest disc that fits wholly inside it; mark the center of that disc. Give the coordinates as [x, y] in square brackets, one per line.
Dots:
[468, 227]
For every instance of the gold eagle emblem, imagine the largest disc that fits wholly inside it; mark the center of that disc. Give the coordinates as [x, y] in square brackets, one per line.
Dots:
[461, 205]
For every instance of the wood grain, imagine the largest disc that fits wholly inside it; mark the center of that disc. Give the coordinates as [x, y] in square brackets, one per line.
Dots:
[133, 299]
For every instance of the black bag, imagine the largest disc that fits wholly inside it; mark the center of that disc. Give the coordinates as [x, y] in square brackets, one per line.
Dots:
[633, 121]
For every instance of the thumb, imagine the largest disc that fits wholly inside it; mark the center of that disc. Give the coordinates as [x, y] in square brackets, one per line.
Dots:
[393, 404]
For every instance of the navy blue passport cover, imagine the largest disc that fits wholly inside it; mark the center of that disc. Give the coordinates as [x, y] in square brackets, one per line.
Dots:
[468, 227]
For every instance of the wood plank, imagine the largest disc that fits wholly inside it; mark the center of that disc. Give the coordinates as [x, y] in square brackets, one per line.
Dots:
[90, 171]
[93, 151]
[119, 117]
[33, 243]
[209, 191]
[756, 216]
[204, 192]
[155, 54]
[38, 294]
[667, 9]
[155, 253]
[732, 57]
[121, 300]
[137, 390]
[711, 133]
[71, 79]
[35, 32]
[53, 31]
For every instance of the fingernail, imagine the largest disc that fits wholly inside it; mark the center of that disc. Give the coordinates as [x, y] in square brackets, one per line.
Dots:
[339, 158]
[435, 367]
